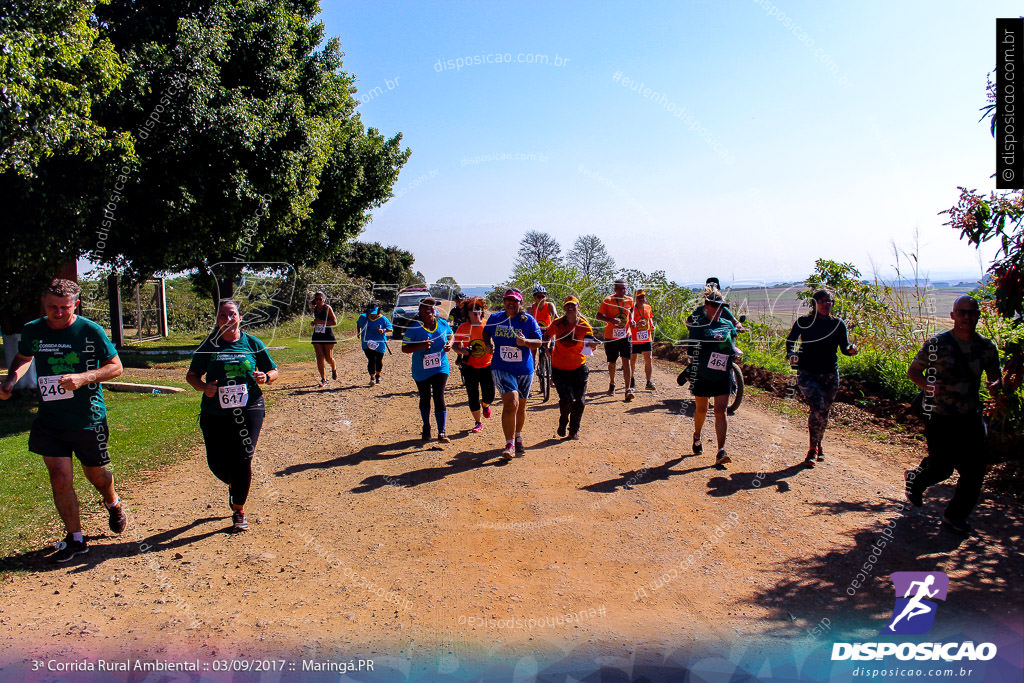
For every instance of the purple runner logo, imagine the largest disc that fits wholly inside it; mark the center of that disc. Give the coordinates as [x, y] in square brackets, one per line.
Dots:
[914, 612]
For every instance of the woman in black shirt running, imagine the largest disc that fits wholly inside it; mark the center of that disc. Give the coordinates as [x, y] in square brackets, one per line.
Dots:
[817, 375]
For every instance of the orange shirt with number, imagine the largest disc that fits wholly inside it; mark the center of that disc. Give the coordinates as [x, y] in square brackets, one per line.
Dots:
[643, 324]
[568, 353]
[613, 307]
[544, 315]
[472, 336]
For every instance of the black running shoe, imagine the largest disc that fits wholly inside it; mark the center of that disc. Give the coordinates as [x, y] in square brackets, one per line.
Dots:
[916, 498]
[425, 434]
[812, 454]
[698, 447]
[821, 454]
[69, 548]
[118, 520]
[561, 429]
[961, 527]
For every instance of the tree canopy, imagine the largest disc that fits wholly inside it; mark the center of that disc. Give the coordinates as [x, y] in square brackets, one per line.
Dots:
[228, 133]
[537, 247]
[590, 257]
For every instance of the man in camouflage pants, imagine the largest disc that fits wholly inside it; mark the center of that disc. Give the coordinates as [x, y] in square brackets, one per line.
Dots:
[948, 369]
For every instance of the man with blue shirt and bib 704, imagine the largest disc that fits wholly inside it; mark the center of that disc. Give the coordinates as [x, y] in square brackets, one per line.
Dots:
[511, 335]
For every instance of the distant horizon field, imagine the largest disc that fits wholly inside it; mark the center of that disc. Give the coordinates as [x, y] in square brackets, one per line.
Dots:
[782, 302]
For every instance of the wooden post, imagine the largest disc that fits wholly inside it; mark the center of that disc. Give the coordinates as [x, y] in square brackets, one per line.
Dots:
[116, 321]
[162, 318]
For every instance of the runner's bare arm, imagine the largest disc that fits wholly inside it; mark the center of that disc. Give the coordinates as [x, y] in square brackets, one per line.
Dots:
[415, 346]
[267, 377]
[195, 380]
[18, 369]
[332, 319]
[109, 370]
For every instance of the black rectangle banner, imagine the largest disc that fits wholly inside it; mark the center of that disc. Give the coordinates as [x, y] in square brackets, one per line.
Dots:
[1009, 132]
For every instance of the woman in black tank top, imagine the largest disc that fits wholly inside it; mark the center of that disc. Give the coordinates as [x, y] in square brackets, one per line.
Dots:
[323, 336]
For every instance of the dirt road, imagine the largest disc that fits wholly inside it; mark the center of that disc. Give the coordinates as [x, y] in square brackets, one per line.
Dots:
[367, 542]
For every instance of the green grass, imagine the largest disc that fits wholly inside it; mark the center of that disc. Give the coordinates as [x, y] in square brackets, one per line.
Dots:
[146, 432]
[287, 334]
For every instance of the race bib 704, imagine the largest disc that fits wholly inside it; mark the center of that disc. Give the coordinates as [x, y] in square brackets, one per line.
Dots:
[511, 354]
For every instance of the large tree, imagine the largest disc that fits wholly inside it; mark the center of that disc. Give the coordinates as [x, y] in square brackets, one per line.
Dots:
[537, 247]
[247, 146]
[54, 67]
[590, 257]
[388, 266]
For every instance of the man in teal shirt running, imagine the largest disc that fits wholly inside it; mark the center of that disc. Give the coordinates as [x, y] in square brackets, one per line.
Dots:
[73, 356]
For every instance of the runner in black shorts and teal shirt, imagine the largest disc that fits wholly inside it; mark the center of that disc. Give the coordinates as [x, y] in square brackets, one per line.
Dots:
[229, 367]
[715, 352]
[73, 356]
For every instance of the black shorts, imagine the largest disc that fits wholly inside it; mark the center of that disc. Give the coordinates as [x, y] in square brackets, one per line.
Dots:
[641, 347]
[618, 348]
[89, 445]
[710, 388]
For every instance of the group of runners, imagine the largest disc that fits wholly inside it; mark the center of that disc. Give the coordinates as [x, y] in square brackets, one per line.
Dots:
[73, 357]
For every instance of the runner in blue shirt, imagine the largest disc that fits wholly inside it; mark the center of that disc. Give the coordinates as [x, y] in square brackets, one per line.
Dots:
[511, 335]
[373, 329]
[428, 340]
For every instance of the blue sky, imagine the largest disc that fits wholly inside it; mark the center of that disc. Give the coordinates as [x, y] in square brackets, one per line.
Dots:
[770, 133]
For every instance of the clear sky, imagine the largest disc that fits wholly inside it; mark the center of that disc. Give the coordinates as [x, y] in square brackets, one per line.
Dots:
[743, 138]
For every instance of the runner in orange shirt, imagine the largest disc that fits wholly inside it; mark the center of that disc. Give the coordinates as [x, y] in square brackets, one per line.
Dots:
[642, 339]
[574, 341]
[615, 311]
[476, 366]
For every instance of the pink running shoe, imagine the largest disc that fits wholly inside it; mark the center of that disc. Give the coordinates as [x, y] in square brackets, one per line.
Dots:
[477, 428]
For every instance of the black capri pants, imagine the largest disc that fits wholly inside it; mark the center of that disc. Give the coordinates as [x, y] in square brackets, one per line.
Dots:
[432, 385]
[230, 444]
[479, 385]
[374, 361]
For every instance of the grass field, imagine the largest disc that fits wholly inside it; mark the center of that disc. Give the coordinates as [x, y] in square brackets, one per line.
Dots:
[147, 431]
[782, 305]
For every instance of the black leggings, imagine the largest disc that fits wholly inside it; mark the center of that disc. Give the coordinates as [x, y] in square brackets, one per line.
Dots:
[479, 384]
[230, 444]
[374, 361]
[433, 384]
[571, 386]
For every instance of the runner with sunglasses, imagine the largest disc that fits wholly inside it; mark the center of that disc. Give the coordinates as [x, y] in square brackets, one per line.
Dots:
[476, 365]
[642, 341]
[820, 336]
[713, 338]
